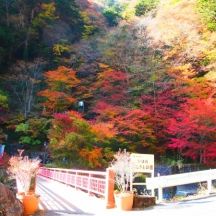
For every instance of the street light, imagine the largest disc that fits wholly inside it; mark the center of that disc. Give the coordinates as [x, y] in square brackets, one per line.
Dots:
[45, 152]
[81, 106]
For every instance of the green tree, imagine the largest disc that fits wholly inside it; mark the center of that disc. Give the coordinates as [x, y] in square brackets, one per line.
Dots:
[23, 84]
[34, 131]
[69, 11]
[68, 135]
[89, 28]
[112, 13]
[3, 100]
[46, 16]
[3, 109]
[144, 6]
[208, 10]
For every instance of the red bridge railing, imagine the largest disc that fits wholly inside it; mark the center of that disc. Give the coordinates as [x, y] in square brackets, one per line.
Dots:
[100, 183]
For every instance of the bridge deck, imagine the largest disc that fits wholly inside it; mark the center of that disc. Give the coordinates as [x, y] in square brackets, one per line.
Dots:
[58, 199]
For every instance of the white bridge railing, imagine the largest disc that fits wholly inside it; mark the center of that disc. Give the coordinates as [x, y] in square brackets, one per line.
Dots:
[161, 182]
[96, 182]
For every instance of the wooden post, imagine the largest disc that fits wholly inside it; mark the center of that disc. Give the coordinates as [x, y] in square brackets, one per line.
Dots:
[109, 193]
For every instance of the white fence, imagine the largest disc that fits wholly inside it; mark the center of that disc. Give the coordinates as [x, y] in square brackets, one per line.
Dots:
[161, 182]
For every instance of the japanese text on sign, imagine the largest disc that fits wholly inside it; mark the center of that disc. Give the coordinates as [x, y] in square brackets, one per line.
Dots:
[143, 162]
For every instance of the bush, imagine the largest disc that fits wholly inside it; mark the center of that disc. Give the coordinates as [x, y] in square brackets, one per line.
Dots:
[23, 170]
[208, 10]
[3, 100]
[144, 6]
[112, 16]
[34, 131]
[122, 167]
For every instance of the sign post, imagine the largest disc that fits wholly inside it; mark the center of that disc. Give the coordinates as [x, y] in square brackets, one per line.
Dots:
[142, 163]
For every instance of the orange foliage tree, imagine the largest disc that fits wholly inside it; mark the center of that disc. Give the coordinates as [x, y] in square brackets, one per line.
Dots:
[92, 156]
[135, 128]
[78, 142]
[58, 94]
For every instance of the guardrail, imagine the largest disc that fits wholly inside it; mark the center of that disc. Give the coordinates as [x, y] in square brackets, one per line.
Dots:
[100, 183]
[161, 182]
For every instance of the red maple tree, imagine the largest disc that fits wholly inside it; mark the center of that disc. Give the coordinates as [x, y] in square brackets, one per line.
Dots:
[193, 130]
[135, 128]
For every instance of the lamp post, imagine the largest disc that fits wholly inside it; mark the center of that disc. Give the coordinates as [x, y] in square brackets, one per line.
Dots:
[81, 106]
[45, 152]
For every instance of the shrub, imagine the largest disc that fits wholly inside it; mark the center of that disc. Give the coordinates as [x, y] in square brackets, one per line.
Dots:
[208, 10]
[144, 6]
[123, 167]
[33, 131]
[23, 169]
[112, 16]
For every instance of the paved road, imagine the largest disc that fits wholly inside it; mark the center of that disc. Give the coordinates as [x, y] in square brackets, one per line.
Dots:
[58, 199]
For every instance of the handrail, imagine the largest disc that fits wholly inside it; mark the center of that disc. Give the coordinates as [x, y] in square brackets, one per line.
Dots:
[80, 171]
[90, 181]
[161, 182]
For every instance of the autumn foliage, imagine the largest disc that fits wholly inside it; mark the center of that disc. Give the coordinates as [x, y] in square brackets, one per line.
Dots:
[93, 157]
[135, 127]
[60, 84]
[111, 85]
[193, 130]
[77, 141]
[104, 130]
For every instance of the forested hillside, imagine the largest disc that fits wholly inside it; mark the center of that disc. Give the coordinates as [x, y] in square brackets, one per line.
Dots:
[92, 76]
